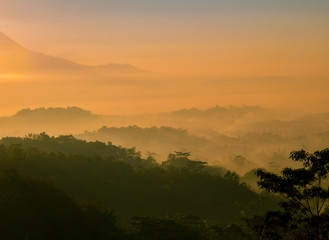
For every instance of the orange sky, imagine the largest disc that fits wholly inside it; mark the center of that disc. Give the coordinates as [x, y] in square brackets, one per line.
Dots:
[277, 40]
[207, 52]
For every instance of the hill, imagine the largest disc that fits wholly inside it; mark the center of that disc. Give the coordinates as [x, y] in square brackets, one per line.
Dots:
[14, 58]
[99, 172]
[236, 138]
[68, 120]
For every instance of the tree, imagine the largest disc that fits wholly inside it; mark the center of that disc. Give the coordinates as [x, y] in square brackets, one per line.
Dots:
[271, 226]
[173, 228]
[233, 176]
[33, 209]
[182, 161]
[304, 192]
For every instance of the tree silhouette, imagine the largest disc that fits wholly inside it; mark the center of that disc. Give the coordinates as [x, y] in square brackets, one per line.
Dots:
[34, 209]
[181, 160]
[305, 194]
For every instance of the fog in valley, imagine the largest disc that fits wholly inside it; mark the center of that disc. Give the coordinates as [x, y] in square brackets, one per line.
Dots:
[164, 120]
[236, 138]
[256, 123]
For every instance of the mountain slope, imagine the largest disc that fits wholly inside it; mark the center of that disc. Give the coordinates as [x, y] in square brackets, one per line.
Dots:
[68, 120]
[14, 58]
[7, 43]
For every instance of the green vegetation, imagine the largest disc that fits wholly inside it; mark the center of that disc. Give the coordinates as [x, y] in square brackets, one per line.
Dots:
[305, 209]
[72, 146]
[154, 196]
[65, 188]
[236, 138]
[33, 209]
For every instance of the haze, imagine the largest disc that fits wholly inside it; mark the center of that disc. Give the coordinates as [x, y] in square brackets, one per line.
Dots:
[204, 53]
[138, 62]
[222, 38]
[163, 119]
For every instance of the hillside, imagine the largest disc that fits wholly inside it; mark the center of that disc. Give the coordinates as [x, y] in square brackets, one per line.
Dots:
[15, 59]
[236, 138]
[68, 120]
[99, 172]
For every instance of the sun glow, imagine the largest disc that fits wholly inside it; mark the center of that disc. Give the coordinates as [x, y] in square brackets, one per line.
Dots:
[11, 76]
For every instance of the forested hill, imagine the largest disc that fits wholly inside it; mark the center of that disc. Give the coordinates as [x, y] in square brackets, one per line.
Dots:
[70, 145]
[52, 120]
[99, 172]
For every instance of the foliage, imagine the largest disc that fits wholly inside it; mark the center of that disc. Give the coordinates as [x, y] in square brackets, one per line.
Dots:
[149, 191]
[182, 227]
[305, 192]
[173, 228]
[33, 209]
[182, 161]
[68, 144]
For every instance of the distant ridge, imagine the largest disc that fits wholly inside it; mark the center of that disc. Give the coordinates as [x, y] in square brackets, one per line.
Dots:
[14, 58]
[6, 42]
[54, 112]
[53, 120]
[126, 68]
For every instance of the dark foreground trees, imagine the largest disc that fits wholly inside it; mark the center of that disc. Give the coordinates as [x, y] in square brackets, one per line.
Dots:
[305, 209]
[162, 195]
[186, 188]
[33, 209]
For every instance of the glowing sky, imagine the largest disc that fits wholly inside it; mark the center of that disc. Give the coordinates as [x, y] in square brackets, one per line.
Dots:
[221, 37]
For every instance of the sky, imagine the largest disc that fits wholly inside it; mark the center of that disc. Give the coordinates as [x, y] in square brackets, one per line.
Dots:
[226, 38]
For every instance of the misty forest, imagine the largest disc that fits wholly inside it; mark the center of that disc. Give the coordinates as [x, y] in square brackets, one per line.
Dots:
[164, 120]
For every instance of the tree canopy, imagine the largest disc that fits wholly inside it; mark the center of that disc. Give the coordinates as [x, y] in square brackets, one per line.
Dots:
[305, 209]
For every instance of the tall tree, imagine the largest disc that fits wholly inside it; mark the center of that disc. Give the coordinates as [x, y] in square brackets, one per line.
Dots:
[305, 193]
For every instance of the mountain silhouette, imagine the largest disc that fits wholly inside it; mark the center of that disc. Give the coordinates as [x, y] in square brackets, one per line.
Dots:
[58, 120]
[8, 44]
[14, 58]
